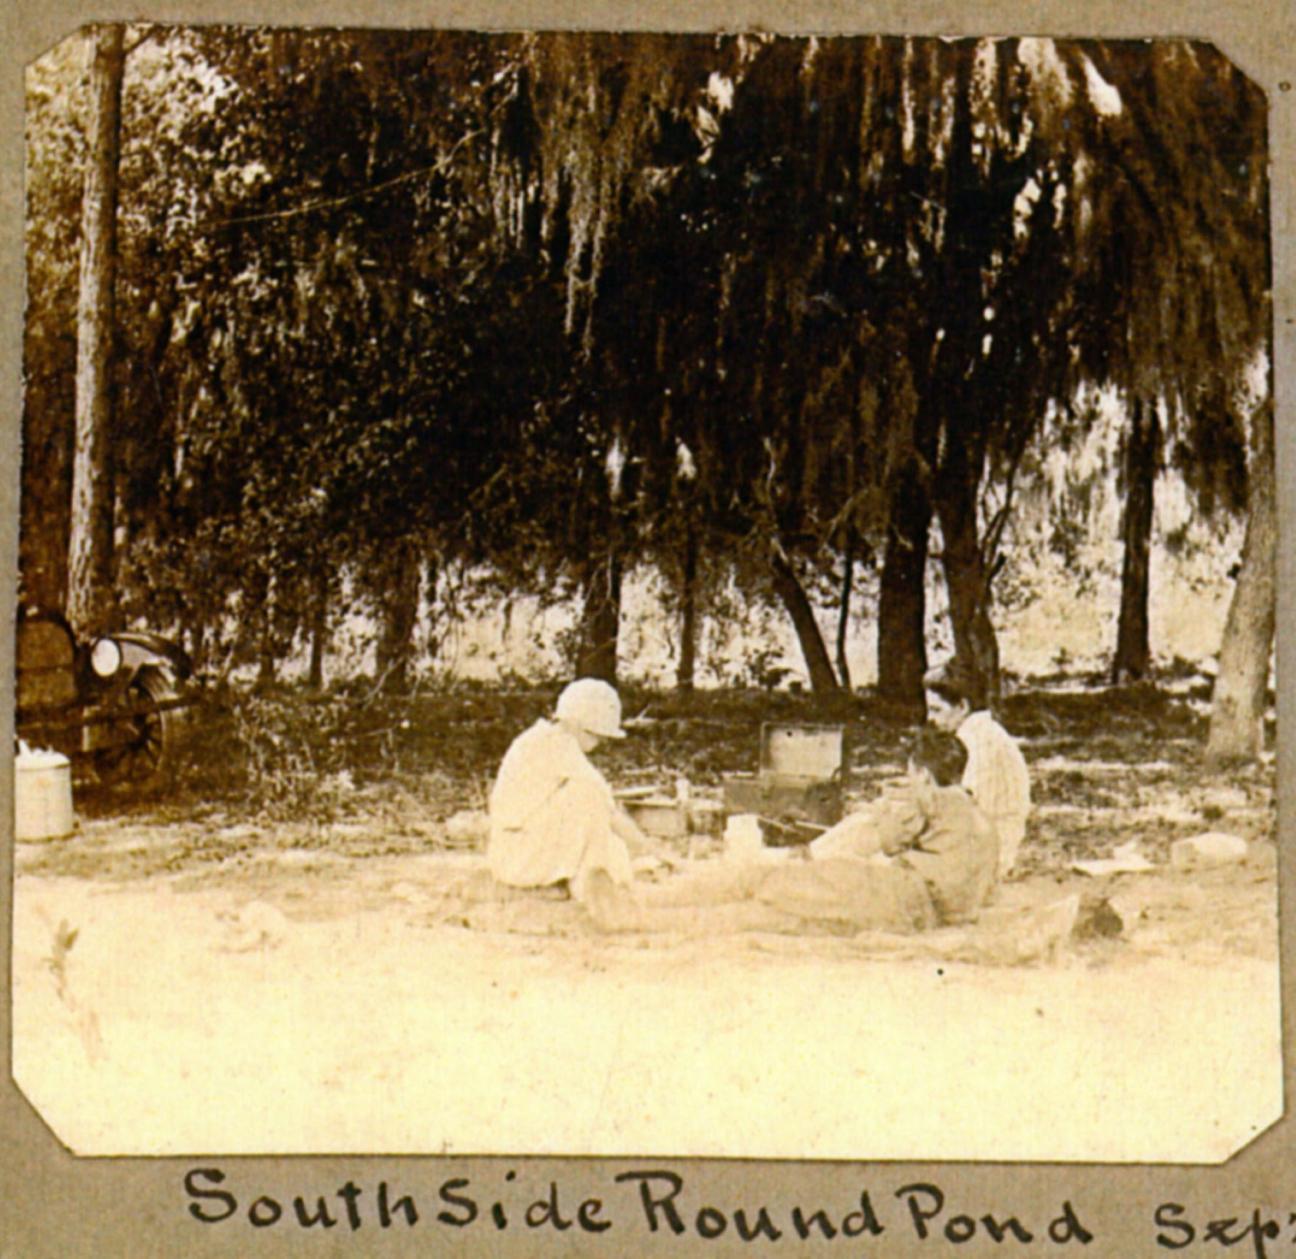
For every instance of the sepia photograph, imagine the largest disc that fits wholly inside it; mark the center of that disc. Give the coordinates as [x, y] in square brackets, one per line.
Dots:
[646, 594]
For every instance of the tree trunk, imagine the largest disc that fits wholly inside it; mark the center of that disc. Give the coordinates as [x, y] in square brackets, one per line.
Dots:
[684, 673]
[966, 580]
[902, 599]
[90, 587]
[1241, 684]
[843, 614]
[400, 603]
[823, 681]
[1142, 447]
[268, 661]
[318, 629]
[431, 588]
[254, 639]
[197, 645]
[267, 647]
[600, 621]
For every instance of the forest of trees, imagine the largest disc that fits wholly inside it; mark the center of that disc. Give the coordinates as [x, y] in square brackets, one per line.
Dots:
[315, 316]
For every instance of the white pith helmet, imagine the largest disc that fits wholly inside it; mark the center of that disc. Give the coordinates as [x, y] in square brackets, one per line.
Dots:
[592, 705]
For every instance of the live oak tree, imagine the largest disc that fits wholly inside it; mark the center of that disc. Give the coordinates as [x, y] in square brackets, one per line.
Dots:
[1177, 324]
[54, 164]
[316, 382]
[1186, 324]
[593, 135]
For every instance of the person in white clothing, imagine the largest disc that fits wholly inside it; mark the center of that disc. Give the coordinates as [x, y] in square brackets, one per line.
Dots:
[553, 819]
[996, 775]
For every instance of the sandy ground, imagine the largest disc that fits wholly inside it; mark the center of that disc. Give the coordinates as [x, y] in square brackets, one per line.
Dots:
[306, 1001]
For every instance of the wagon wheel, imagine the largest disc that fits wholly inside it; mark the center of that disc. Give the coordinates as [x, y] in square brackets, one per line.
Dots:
[143, 758]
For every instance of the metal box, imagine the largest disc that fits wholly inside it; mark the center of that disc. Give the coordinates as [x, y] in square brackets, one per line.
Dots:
[800, 780]
[794, 751]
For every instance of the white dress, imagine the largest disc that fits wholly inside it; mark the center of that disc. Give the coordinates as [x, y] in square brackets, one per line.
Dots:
[551, 815]
[998, 780]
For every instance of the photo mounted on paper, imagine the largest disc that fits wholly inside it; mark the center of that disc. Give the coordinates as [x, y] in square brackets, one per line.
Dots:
[591, 593]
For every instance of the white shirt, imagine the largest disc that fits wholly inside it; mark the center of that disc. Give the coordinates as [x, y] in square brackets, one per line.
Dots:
[551, 813]
[998, 780]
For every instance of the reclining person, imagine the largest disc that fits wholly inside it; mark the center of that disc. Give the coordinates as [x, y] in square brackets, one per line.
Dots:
[927, 857]
[553, 819]
[924, 857]
[996, 773]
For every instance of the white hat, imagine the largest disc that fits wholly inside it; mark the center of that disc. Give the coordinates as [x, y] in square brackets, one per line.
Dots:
[592, 705]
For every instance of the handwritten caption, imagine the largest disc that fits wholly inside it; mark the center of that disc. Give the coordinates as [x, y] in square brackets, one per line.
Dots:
[658, 1201]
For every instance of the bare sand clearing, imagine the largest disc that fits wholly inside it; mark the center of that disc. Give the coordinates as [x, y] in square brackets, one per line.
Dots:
[312, 1003]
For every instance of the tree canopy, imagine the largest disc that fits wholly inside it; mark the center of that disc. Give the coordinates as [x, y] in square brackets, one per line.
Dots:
[549, 306]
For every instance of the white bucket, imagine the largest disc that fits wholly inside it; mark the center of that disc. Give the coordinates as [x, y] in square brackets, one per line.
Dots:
[742, 838]
[42, 796]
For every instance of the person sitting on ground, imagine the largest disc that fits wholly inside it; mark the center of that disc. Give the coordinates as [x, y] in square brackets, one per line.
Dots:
[996, 773]
[926, 857]
[553, 820]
